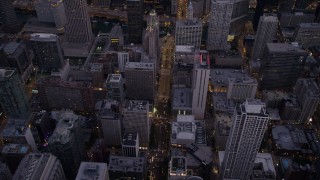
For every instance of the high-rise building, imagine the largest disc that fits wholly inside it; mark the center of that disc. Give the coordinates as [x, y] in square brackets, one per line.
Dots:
[13, 99]
[135, 21]
[201, 74]
[151, 36]
[17, 56]
[67, 144]
[114, 84]
[308, 34]
[140, 81]
[308, 95]
[293, 19]
[281, 66]
[286, 5]
[123, 58]
[51, 12]
[188, 31]
[301, 4]
[40, 166]
[266, 32]
[8, 17]
[136, 120]
[219, 24]
[55, 93]
[111, 122]
[78, 29]
[5, 173]
[93, 170]
[130, 145]
[13, 154]
[239, 16]
[250, 121]
[242, 88]
[47, 52]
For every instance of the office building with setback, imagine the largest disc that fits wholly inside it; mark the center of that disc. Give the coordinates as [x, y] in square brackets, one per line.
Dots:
[188, 31]
[67, 143]
[281, 66]
[55, 93]
[51, 12]
[93, 170]
[136, 120]
[250, 121]
[47, 52]
[308, 95]
[130, 145]
[42, 166]
[266, 32]
[140, 80]
[13, 98]
[135, 21]
[110, 118]
[17, 56]
[219, 24]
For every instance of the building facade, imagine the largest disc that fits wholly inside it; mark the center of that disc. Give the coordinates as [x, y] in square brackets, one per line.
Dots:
[130, 145]
[135, 21]
[266, 32]
[136, 120]
[151, 36]
[219, 24]
[47, 52]
[13, 98]
[114, 86]
[9, 18]
[308, 34]
[39, 166]
[249, 124]
[93, 170]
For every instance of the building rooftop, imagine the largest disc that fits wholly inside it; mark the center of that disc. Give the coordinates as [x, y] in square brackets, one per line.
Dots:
[222, 104]
[15, 149]
[264, 167]
[309, 25]
[202, 153]
[224, 123]
[221, 77]
[96, 67]
[283, 48]
[312, 86]
[130, 139]
[114, 78]
[268, 17]
[6, 72]
[135, 105]
[182, 98]
[92, 170]
[178, 163]
[186, 128]
[33, 166]
[10, 47]
[108, 109]
[43, 37]
[126, 164]
[64, 127]
[288, 138]
[140, 65]
[184, 49]
[188, 22]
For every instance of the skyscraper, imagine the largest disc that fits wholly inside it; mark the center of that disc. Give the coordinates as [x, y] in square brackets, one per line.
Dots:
[136, 120]
[13, 99]
[281, 66]
[8, 17]
[130, 145]
[307, 34]
[40, 166]
[111, 122]
[201, 73]
[266, 32]
[51, 12]
[135, 20]
[114, 84]
[47, 52]
[151, 35]
[250, 121]
[308, 94]
[78, 29]
[239, 15]
[189, 31]
[140, 81]
[219, 24]
[67, 144]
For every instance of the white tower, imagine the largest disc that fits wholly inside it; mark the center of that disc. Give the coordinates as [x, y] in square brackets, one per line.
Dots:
[250, 121]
